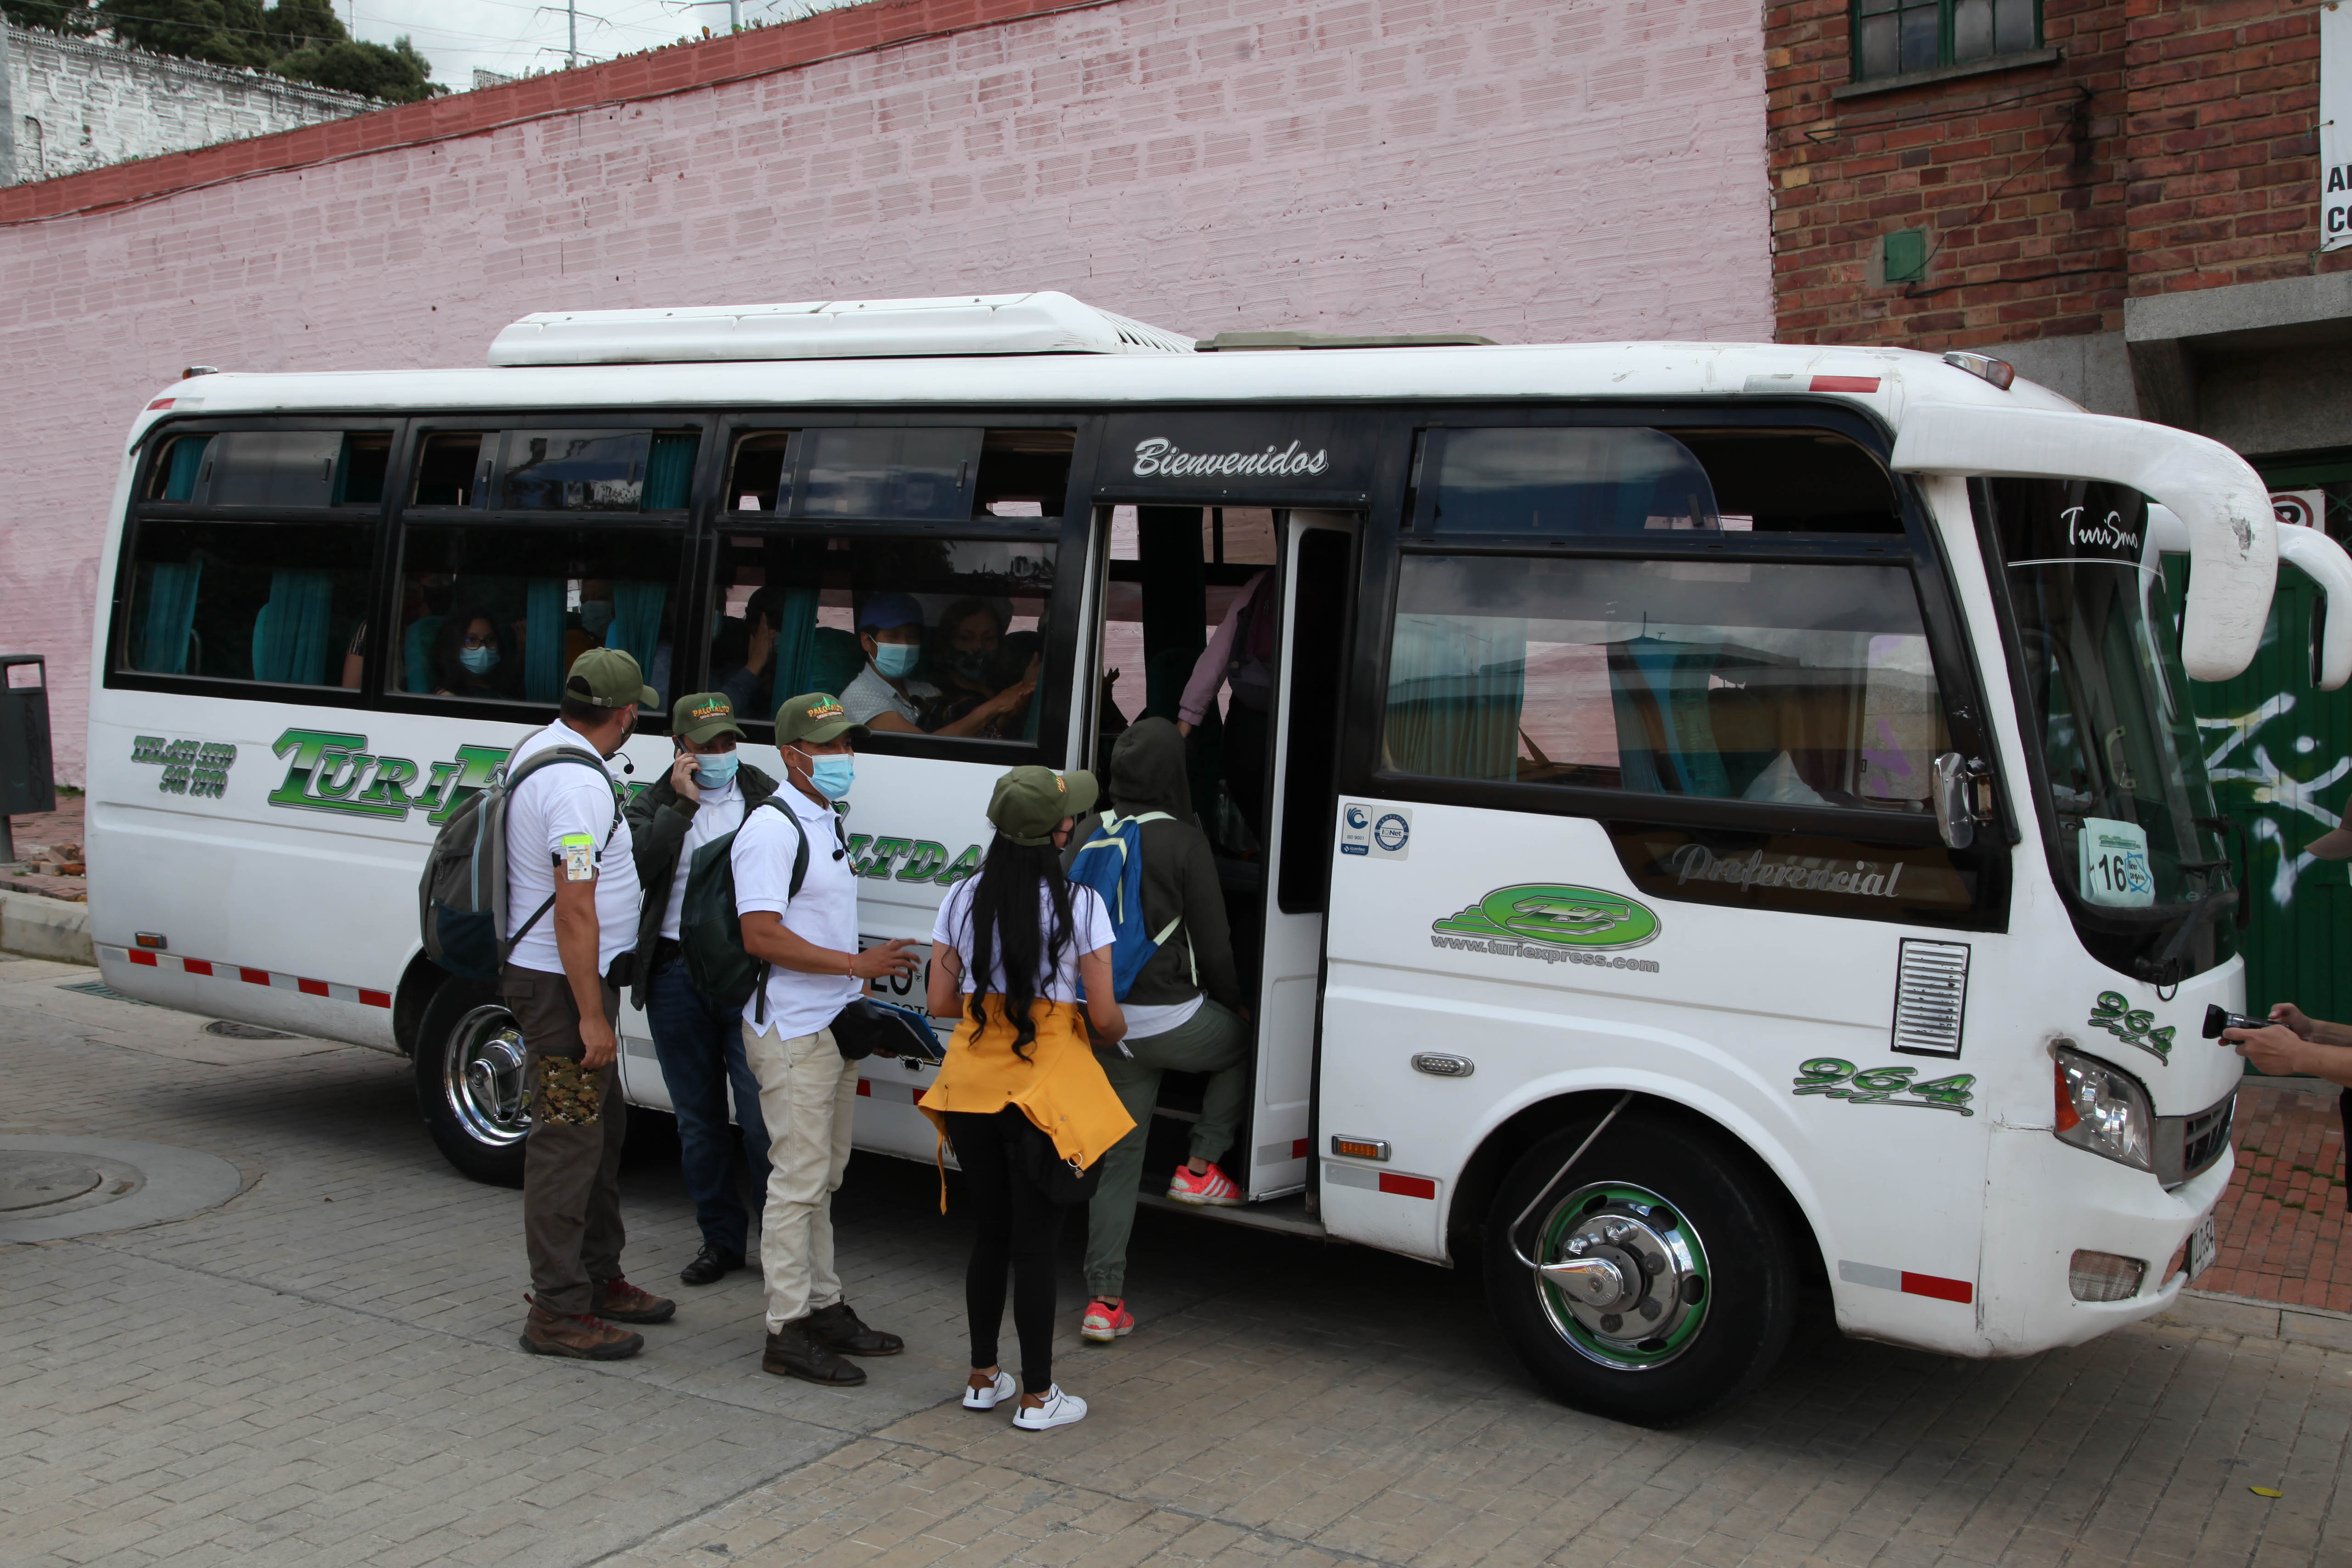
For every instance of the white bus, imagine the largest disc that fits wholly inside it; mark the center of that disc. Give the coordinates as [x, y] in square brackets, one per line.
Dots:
[1722, 815]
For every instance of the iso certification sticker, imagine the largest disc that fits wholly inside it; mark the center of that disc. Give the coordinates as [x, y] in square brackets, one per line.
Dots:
[1376, 832]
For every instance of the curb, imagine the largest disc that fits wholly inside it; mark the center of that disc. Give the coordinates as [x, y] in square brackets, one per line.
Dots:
[2267, 1320]
[35, 927]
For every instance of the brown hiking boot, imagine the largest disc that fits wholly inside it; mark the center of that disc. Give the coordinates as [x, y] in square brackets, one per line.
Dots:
[794, 1351]
[581, 1337]
[624, 1303]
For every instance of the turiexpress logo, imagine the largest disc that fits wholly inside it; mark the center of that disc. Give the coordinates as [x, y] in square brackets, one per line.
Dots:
[1552, 921]
[1160, 457]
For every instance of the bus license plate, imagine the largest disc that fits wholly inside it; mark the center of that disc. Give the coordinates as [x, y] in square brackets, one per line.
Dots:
[906, 990]
[2201, 1247]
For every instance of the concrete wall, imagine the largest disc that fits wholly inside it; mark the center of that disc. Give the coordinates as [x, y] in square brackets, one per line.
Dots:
[78, 103]
[1529, 169]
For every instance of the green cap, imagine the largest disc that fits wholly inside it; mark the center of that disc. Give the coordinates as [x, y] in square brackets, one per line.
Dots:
[1030, 802]
[703, 717]
[813, 716]
[607, 678]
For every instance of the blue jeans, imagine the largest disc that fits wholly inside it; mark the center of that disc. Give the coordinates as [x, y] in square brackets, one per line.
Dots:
[700, 1046]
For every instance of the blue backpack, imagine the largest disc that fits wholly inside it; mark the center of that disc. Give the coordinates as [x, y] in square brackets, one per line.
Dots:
[1111, 863]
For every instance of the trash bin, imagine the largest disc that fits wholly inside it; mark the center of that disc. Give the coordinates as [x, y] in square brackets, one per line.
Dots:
[26, 783]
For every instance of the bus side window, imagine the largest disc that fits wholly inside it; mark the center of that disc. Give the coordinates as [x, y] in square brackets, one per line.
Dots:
[914, 633]
[498, 611]
[1796, 684]
[273, 602]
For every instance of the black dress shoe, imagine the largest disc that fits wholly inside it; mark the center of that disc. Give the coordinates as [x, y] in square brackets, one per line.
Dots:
[711, 1265]
[840, 1329]
[794, 1351]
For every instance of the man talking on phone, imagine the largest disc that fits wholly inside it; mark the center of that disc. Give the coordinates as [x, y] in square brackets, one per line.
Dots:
[698, 1041]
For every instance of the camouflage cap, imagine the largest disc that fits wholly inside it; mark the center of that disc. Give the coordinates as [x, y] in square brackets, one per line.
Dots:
[1029, 803]
[815, 717]
[703, 717]
[607, 678]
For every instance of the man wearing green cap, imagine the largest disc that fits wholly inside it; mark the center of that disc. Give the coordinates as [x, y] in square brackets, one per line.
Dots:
[564, 856]
[808, 1092]
[697, 1040]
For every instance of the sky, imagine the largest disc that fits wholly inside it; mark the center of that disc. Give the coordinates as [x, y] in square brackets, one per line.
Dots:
[512, 36]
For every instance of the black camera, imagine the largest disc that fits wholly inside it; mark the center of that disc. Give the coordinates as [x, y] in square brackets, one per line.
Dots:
[2216, 1020]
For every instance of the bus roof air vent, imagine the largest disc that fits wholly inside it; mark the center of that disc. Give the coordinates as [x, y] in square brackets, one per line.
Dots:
[1043, 323]
[1231, 343]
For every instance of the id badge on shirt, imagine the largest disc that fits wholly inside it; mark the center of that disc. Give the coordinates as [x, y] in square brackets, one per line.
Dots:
[578, 857]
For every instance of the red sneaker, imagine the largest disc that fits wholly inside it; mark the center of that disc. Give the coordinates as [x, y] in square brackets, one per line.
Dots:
[1211, 1189]
[1106, 1320]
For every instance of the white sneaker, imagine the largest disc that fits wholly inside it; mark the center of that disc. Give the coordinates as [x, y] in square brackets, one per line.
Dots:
[994, 1395]
[1060, 1409]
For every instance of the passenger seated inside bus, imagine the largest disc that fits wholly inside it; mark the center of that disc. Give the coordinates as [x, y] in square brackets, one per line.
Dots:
[470, 658]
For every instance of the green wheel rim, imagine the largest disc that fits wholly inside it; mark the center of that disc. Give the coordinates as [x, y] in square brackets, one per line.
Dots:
[1664, 1262]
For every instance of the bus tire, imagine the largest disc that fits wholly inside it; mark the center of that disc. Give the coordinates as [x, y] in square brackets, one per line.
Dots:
[1683, 1290]
[469, 1081]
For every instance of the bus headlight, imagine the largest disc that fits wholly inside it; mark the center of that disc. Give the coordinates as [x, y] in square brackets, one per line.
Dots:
[2105, 1110]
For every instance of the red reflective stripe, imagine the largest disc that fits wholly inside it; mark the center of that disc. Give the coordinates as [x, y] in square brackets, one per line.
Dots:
[376, 998]
[196, 965]
[159, 403]
[1298, 1148]
[1943, 1290]
[1408, 1186]
[865, 1085]
[254, 976]
[1845, 383]
[311, 987]
[146, 958]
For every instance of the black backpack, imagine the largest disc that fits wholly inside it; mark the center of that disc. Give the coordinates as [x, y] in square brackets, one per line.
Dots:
[461, 899]
[710, 932]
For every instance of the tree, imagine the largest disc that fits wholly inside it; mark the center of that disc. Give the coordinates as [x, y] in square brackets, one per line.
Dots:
[224, 32]
[73, 17]
[394, 75]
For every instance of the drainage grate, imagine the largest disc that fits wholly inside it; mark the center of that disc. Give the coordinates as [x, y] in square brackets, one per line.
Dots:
[100, 988]
[232, 1030]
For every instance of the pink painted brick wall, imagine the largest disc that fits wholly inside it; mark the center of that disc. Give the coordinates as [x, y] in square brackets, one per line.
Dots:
[1535, 170]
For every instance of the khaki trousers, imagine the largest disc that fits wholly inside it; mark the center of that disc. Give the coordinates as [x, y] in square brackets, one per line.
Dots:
[570, 1173]
[808, 1097]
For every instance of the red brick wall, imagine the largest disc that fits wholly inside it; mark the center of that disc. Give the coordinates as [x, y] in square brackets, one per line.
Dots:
[2015, 176]
[2223, 120]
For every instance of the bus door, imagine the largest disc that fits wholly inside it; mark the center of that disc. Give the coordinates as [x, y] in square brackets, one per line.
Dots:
[1318, 559]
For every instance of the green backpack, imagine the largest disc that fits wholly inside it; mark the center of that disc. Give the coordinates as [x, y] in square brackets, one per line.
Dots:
[710, 932]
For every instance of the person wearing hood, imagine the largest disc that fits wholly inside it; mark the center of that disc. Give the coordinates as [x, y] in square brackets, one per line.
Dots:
[697, 1040]
[1185, 1011]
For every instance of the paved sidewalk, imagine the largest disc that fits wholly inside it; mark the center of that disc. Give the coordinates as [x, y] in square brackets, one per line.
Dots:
[322, 1371]
[2281, 1226]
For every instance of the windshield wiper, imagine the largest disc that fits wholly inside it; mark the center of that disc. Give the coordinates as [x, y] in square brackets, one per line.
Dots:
[2168, 967]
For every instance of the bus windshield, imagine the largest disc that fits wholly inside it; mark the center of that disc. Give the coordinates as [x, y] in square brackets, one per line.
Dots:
[2132, 830]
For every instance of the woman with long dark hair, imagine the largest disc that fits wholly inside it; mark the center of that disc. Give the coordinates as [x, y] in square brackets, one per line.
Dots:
[1021, 1096]
[470, 658]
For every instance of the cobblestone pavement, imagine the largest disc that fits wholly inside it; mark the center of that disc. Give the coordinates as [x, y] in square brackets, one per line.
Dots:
[323, 1371]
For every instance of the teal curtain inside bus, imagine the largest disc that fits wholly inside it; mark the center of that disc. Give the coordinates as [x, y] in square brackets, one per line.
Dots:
[636, 625]
[1456, 687]
[291, 636]
[543, 644]
[171, 617]
[1665, 740]
[669, 472]
[181, 465]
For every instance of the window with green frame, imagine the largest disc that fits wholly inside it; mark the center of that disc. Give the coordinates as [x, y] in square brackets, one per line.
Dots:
[1895, 37]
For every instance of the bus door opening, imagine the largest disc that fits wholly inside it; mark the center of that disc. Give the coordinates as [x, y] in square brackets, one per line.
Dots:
[1183, 583]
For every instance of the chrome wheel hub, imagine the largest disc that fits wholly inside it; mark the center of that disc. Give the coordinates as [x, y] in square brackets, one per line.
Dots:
[483, 1078]
[1623, 1277]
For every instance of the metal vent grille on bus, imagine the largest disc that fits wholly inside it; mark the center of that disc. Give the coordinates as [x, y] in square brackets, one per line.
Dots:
[1931, 997]
[1041, 323]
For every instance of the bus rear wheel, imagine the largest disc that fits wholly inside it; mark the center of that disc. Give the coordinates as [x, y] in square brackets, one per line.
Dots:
[1666, 1287]
[470, 1082]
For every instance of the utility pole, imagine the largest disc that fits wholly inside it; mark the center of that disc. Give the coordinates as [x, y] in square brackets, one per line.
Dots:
[572, 19]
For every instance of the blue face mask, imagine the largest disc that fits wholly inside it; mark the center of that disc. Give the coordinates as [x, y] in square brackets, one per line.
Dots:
[833, 776]
[596, 616]
[896, 660]
[716, 769]
[479, 660]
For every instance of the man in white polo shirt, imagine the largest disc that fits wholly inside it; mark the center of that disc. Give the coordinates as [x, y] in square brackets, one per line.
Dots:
[573, 898]
[808, 1093]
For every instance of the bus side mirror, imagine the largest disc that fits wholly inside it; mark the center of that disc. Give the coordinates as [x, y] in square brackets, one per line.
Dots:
[1956, 817]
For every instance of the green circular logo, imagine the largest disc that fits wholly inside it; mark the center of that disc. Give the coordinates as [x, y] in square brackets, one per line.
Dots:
[1557, 915]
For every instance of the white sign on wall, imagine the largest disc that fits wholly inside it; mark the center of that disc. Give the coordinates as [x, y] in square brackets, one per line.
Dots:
[2335, 127]
[2300, 509]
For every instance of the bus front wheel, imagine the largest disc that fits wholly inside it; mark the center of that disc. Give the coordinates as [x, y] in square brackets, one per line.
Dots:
[469, 1081]
[1664, 1284]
